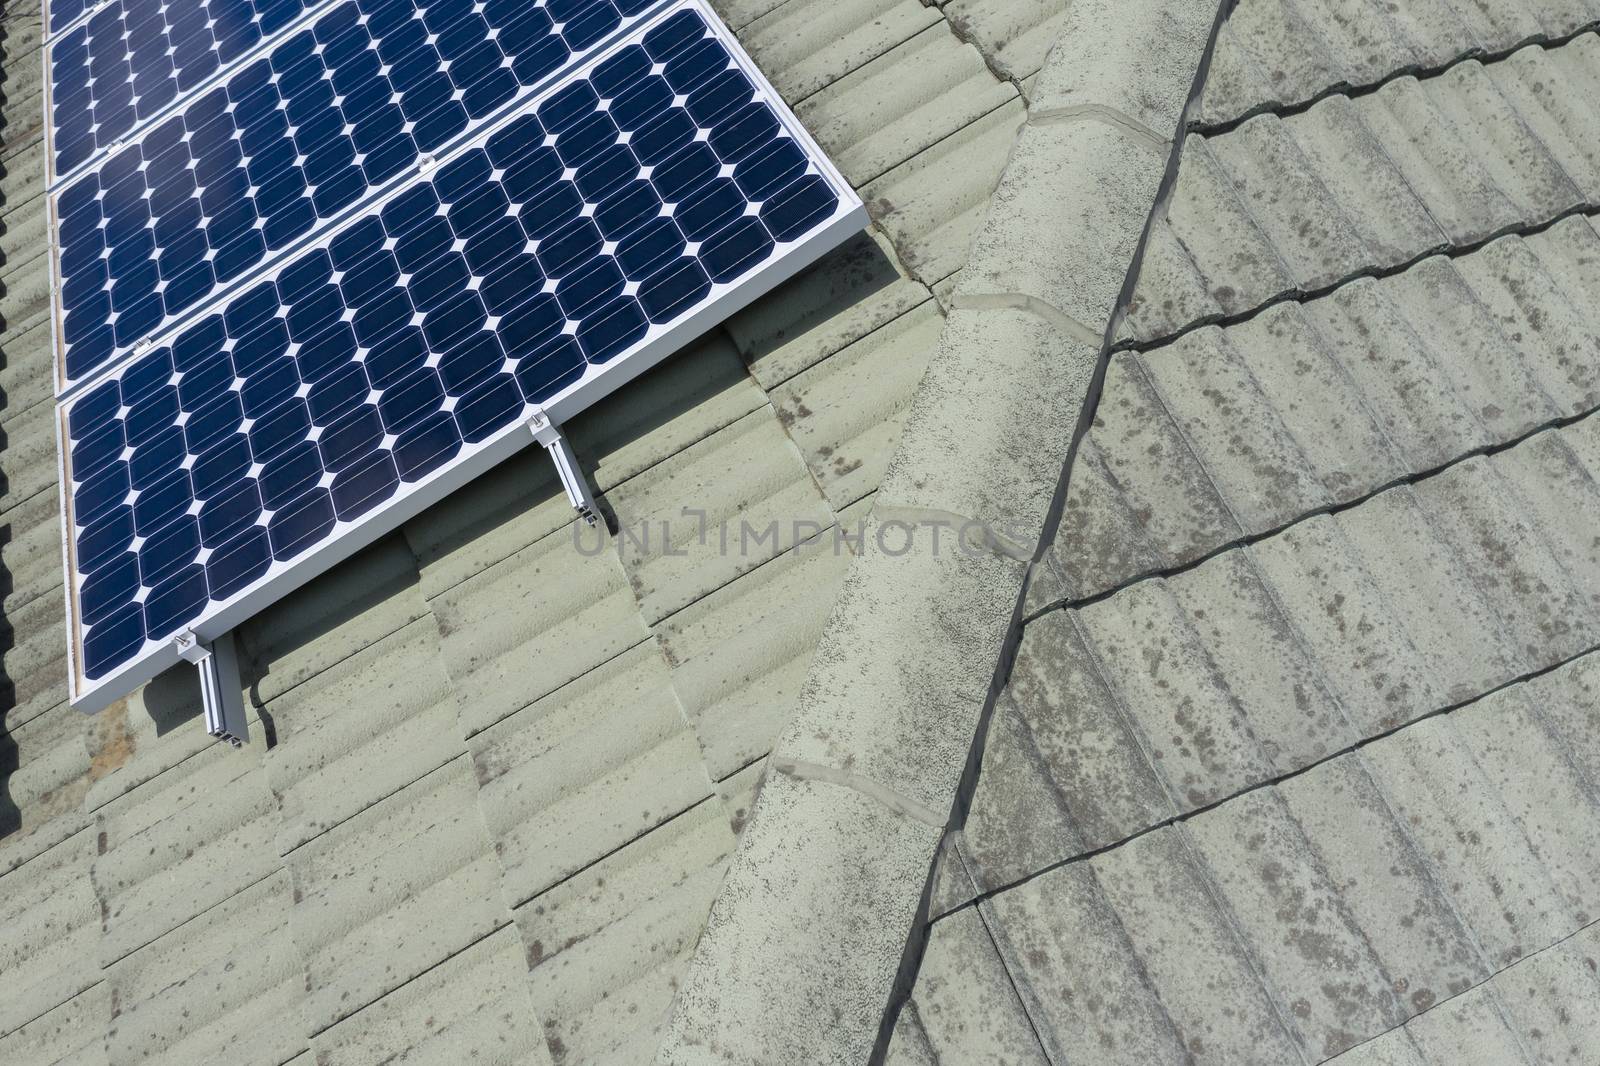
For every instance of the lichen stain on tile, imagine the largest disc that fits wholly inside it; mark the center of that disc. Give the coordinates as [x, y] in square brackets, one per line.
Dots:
[111, 742]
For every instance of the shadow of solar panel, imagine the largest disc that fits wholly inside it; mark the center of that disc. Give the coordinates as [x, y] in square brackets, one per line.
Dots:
[656, 190]
[289, 142]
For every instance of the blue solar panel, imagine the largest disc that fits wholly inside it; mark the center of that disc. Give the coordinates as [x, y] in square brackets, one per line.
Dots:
[655, 190]
[290, 141]
[132, 58]
[63, 13]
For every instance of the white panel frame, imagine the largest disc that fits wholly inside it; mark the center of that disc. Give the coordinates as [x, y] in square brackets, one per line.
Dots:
[347, 538]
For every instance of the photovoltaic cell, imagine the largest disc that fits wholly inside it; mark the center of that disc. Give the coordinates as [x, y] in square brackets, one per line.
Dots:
[63, 13]
[291, 140]
[133, 58]
[656, 185]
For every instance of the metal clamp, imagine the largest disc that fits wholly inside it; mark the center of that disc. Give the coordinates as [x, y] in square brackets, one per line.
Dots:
[220, 690]
[572, 479]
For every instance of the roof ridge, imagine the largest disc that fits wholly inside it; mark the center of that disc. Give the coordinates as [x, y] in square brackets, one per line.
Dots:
[815, 935]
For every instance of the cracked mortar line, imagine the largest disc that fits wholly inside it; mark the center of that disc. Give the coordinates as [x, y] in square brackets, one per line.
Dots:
[888, 797]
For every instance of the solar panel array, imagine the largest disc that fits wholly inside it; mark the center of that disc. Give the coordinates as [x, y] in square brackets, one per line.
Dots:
[329, 287]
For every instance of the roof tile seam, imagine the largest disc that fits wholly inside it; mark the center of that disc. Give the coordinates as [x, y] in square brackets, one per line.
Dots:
[1419, 71]
[967, 37]
[1136, 962]
[1328, 510]
[1488, 980]
[1303, 295]
[15, 1029]
[106, 966]
[688, 1028]
[895, 801]
[1219, 903]
[1111, 116]
[1273, 782]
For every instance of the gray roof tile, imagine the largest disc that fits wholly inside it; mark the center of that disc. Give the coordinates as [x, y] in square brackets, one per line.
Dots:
[847, 295]
[389, 894]
[184, 841]
[1408, 919]
[964, 1007]
[805, 45]
[586, 770]
[739, 655]
[1499, 886]
[1015, 35]
[1313, 404]
[902, 103]
[1471, 1028]
[1276, 53]
[1166, 903]
[931, 205]
[714, 511]
[474, 1007]
[28, 461]
[1553, 999]
[49, 927]
[608, 947]
[41, 801]
[360, 731]
[1354, 185]
[1064, 770]
[1079, 975]
[679, 403]
[1311, 950]
[72, 1034]
[1163, 677]
[225, 986]
[372, 594]
[845, 414]
[511, 634]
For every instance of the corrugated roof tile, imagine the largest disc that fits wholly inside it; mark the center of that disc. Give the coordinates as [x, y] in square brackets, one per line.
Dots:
[1385, 883]
[1441, 607]
[585, 770]
[1500, 888]
[1234, 430]
[1553, 1000]
[1167, 904]
[1537, 608]
[72, 1034]
[1015, 35]
[1470, 1028]
[370, 595]
[224, 987]
[49, 927]
[608, 948]
[1063, 770]
[804, 45]
[965, 1004]
[180, 843]
[360, 731]
[673, 406]
[902, 103]
[714, 511]
[845, 414]
[533, 622]
[930, 206]
[739, 655]
[47, 773]
[1203, 744]
[849, 293]
[1079, 975]
[387, 895]
[474, 1007]
[1313, 954]
[1367, 656]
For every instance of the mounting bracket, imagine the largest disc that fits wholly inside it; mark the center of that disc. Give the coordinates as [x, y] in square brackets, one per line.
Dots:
[220, 690]
[572, 478]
